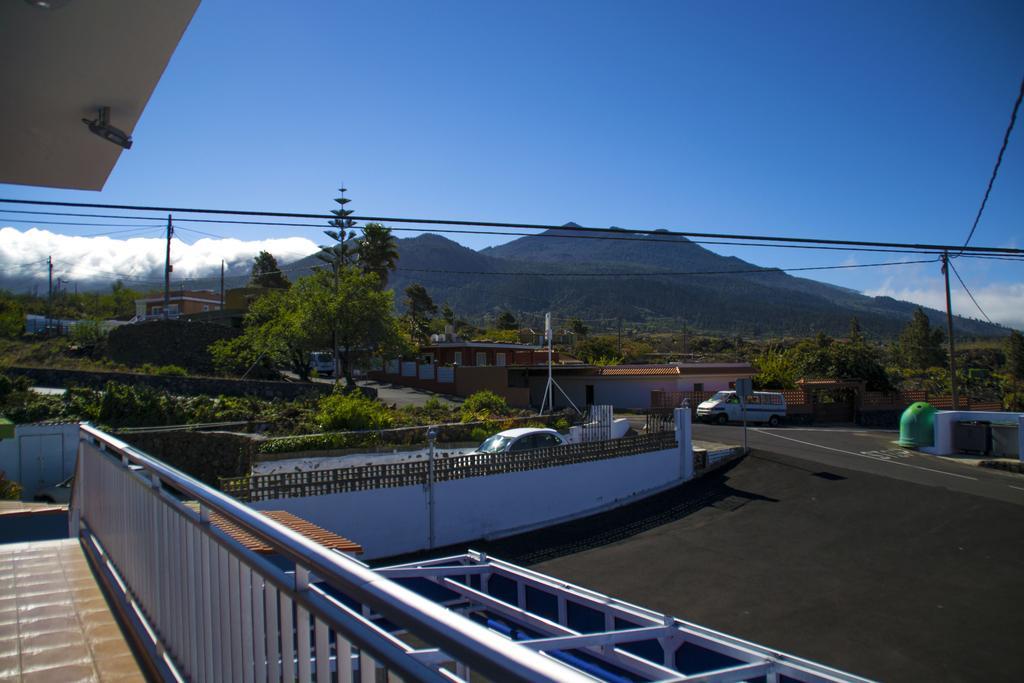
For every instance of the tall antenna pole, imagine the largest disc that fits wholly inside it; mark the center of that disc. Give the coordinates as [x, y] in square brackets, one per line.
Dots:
[167, 268]
[551, 391]
[949, 329]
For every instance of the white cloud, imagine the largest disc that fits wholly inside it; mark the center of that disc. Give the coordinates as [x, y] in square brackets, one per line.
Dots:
[95, 259]
[1004, 302]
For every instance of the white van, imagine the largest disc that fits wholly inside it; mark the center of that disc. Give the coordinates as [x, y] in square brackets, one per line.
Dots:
[322, 362]
[762, 406]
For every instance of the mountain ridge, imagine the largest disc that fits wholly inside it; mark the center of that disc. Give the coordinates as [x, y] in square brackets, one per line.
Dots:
[598, 279]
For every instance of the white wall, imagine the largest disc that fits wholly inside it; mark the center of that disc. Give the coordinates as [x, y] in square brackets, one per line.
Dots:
[946, 419]
[39, 456]
[625, 393]
[390, 522]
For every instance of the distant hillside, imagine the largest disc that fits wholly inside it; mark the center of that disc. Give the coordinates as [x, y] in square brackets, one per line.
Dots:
[535, 274]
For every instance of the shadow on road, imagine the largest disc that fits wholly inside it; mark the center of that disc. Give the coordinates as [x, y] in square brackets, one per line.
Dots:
[541, 545]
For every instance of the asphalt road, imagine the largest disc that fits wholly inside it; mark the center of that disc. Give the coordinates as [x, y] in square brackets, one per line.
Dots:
[875, 452]
[827, 544]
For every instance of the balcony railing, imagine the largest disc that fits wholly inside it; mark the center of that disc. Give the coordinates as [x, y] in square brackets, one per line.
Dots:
[208, 609]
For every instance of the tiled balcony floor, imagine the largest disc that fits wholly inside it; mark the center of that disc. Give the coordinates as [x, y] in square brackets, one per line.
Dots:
[55, 624]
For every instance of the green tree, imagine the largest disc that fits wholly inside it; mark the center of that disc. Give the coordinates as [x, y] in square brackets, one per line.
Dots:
[776, 369]
[378, 252]
[266, 273]
[601, 350]
[12, 317]
[1015, 355]
[507, 321]
[420, 309]
[346, 309]
[122, 300]
[448, 314]
[919, 345]
[578, 328]
[856, 335]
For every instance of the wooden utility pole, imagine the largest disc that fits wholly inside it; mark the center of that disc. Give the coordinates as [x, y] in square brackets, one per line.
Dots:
[949, 330]
[49, 296]
[167, 268]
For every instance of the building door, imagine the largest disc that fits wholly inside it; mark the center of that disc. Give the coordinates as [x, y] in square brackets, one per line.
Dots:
[42, 462]
[590, 394]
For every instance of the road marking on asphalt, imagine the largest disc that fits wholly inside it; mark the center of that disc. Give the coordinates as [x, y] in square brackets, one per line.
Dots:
[863, 455]
[1015, 487]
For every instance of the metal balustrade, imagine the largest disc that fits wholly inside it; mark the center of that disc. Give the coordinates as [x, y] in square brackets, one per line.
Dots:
[208, 609]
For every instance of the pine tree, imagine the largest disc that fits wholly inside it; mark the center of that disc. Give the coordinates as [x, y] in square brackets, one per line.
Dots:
[343, 252]
[856, 335]
[419, 311]
[919, 345]
[266, 272]
[1015, 355]
[378, 252]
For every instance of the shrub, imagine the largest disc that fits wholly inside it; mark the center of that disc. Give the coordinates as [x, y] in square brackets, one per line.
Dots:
[483, 405]
[164, 370]
[352, 411]
[88, 332]
[9, 490]
[319, 442]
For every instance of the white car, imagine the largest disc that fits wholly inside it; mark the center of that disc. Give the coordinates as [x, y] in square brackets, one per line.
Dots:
[522, 439]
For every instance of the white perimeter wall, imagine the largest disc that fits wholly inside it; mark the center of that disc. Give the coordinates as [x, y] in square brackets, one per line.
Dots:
[946, 419]
[390, 522]
[624, 393]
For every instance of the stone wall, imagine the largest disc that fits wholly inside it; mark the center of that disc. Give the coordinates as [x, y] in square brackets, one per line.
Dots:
[167, 342]
[211, 386]
[207, 456]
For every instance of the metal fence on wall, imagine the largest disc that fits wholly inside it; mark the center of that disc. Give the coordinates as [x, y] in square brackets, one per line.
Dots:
[254, 488]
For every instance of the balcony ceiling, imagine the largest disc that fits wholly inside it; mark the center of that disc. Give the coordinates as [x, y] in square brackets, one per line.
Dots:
[60, 65]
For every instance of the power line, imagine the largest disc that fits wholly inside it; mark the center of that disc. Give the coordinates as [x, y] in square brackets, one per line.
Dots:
[663, 273]
[528, 226]
[999, 161]
[608, 234]
[964, 285]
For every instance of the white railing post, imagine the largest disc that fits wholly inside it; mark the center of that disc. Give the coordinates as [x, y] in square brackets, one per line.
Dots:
[684, 439]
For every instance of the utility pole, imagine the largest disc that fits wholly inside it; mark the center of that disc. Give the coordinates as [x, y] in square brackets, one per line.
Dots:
[167, 268]
[949, 329]
[49, 296]
[222, 288]
[620, 337]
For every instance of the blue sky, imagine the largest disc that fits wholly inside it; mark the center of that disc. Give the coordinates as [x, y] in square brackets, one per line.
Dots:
[872, 121]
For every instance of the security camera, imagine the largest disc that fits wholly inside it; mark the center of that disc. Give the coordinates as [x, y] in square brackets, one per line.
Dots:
[101, 126]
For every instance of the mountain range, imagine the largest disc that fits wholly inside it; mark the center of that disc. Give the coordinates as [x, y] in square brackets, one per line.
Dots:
[656, 280]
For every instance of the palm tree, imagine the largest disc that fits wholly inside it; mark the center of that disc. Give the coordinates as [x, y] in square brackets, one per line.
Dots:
[378, 251]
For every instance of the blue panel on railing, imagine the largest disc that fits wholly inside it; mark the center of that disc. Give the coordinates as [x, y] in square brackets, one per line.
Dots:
[694, 659]
[584, 619]
[542, 603]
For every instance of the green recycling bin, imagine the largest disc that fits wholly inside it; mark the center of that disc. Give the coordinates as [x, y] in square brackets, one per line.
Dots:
[917, 425]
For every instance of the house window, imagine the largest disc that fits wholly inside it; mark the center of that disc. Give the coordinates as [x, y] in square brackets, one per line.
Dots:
[698, 386]
[458, 357]
[499, 360]
[481, 358]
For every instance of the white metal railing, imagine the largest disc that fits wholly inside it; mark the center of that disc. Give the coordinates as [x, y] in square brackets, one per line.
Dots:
[214, 611]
